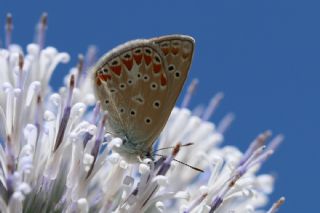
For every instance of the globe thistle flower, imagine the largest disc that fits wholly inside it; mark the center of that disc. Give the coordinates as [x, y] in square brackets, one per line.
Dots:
[55, 155]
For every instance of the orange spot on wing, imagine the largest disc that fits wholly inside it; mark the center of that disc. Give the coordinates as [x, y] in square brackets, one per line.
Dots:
[163, 80]
[165, 50]
[175, 50]
[116, 70]
[156, 68]
[137, 58]
[98, 82]
[105, 77]
[147, 59]
[128, 63]
[185, 55]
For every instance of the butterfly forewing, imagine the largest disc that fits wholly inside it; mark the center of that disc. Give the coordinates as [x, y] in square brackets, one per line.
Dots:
[138, 89]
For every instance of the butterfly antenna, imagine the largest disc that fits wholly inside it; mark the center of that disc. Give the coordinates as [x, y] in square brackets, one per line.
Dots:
[192, 167]
[189, 94]
[213, 105]
[172, 147]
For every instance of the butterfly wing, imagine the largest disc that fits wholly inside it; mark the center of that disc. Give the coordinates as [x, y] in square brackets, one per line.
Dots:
[133, 85]
[178, 52]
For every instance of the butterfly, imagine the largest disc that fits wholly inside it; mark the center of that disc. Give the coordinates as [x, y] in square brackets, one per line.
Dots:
[138, 84]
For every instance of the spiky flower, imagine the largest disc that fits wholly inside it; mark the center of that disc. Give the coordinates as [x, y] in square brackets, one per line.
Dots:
[56, 157]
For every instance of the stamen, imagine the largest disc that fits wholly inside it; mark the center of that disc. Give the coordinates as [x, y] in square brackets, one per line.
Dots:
[190, 92]
[37, 114]
[42, 26]
[96, 113]
[8, 27]
[80, 69]
[218, 199]
[258, 142]
[261, 158]
[99, 139]
[20, 64]
[275, 207]
[10, 157]
[275, 143]
[225, 123]
[198, 110]
[256, 157]
[159, 162]
[91, 55]
[176, 150]
[65, 116]
[90, 59]
[213, 105]
[21, 61]
[245, 166]
[87, 136]
[10, 167]
[215, 204]
[167, 163]
[9, 110]
[195, 203]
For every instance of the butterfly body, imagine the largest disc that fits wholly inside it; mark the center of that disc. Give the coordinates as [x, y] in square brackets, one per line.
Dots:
[138, 84]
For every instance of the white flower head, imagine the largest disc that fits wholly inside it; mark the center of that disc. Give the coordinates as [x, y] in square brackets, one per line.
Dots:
[56, 155]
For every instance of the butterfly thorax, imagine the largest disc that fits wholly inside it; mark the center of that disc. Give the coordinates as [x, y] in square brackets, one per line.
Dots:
[131, 151]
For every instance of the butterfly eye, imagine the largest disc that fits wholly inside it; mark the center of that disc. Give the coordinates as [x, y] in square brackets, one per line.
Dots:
[106, 101]
[114, 62]
[171, 67]
[147, 120]
[126, 56]
[177, 74]
[147, 51]
[137, 51]
[105, 70]
[156, 59]
[139, 99]
[130, 82]
[146, 78]
[112, 90]
[133, 112]
[122, 86]
[156, 104]
[153, 86]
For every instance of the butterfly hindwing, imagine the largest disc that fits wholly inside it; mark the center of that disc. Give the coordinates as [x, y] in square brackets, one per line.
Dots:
[178, 53]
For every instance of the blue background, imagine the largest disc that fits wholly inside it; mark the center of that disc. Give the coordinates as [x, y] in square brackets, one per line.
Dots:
[263, 54]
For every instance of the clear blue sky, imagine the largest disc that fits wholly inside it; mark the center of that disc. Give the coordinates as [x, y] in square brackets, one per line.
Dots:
[263, 54]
